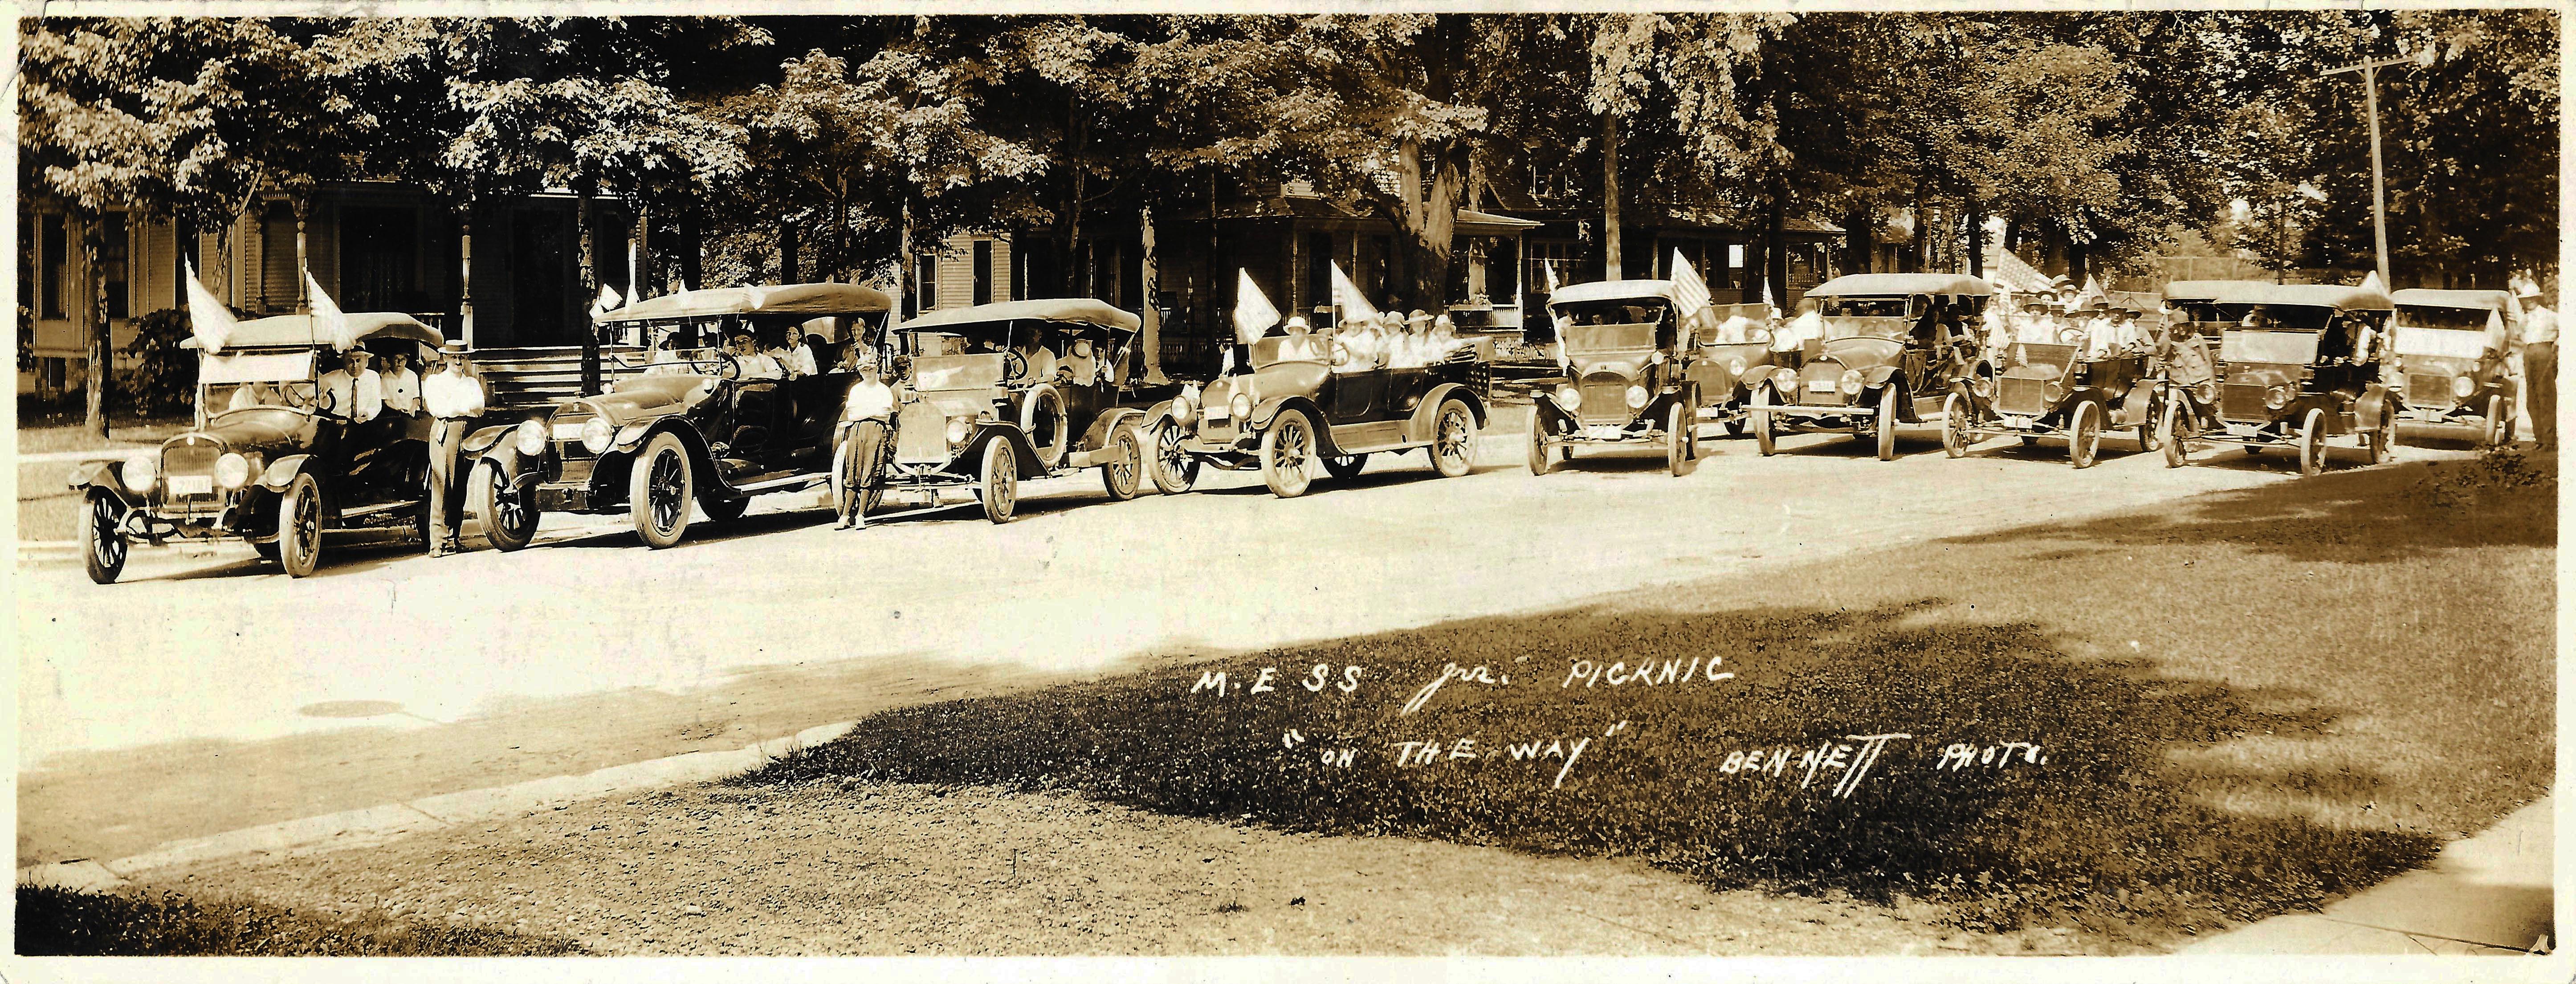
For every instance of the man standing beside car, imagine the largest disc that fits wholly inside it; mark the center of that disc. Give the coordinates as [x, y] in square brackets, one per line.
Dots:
[2539, 364]
[869, 416]
[454, 397]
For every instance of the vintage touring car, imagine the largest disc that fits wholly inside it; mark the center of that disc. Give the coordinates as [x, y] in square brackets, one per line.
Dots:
[1297, 406]
[692, 428]
[1884, 359]
[2052, 390]
[1631, 375]
[268, 459]
[1013, 391]
[2300, 367]
[2448, 348]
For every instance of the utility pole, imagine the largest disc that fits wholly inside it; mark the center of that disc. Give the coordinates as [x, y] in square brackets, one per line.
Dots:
[2378, 181]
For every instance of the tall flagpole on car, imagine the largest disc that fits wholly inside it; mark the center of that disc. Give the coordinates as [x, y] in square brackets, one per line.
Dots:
[2378, 181]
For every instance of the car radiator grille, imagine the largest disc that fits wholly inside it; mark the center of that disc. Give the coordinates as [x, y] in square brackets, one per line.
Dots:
[1606, 403]
[2022, 396]
[2243, 401]
[2428, 390]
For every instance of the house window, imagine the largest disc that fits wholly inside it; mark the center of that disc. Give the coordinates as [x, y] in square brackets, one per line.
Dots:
[1552, 183]
[115, 246]
[55, 250]
[983, 271]
[379, 260]
[926, 281]
[1319, 268]
[277, 270]
[1735, 266]
[1551, 259]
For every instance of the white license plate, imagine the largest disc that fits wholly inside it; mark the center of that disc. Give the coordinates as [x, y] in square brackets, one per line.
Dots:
[192, 485]
[2017, 422]
[1820, 386]
[1604, 432]
[568, 432]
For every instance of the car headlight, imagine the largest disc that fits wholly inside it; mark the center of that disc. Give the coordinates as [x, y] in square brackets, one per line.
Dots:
[597, 434]
[143, 471]
[2276, 397]
[1182, 410]
[1982, 386]
[1241, 405]
[1569, 397]
[232, 471]
[1851, 381]
[1636, 397]
[957, 430]
[2054, 391]
[532, 437]
[1784, 379]
[1735, 368]
[2207, 390]
[2463, 387]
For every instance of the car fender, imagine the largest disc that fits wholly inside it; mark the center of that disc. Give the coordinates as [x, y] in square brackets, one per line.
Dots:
[1876, 376]
[1097, 435]
[969, 459]
[2374, 398]
[1268, 410]
[282, 472]
[482, 439]
[107, 477]
[2134, 408]
[1431, 401]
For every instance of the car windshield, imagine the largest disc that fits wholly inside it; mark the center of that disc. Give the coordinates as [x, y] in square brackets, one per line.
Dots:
[2288, 346]
[1291, 348]
[957, 372]
[1616, 311]
[2463, 319]
[1609, 338]
[2440, 341]
[1864, 307]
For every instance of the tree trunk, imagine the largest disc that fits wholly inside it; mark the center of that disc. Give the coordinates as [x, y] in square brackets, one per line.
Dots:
[93, 317]
[590, 283]
[183, 248]
[1153, 315]
[1861, 228]
[1976, 238]
[1425, 214]
[1775, 251]
[1612, 267]
[787, 271]
[692, 251]
[2078, 265]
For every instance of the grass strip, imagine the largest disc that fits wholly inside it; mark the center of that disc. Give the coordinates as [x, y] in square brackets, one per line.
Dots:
[62, 922]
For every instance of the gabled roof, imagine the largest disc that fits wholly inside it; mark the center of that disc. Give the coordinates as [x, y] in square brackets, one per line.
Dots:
[300, 331]
[810, 300]
[2474, 300]
[2304, 295]
[1068, 310]
[1901, 284]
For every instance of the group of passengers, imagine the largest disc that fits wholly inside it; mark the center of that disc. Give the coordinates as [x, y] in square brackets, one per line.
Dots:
[756, 352]
[1371, 341]
[364, 386]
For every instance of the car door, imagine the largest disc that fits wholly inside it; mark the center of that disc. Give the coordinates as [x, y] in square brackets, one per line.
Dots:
[1358, 396]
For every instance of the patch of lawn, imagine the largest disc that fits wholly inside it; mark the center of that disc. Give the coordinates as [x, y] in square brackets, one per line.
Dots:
[61, 922]
[39, 435]
[2243, 704]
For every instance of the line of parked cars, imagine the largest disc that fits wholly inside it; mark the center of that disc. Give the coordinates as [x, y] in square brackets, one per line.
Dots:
[999, 394]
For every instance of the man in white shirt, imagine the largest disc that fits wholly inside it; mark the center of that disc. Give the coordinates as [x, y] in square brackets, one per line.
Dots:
[401, 385]
[353, 391]
[794, 361]
[751, 362]
[867, 426]
[1809, 324]
[2539, 364]
[453, 396]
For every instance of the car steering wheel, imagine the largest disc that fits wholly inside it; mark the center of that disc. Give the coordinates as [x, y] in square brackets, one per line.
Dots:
[1014, 365]
[727, 366]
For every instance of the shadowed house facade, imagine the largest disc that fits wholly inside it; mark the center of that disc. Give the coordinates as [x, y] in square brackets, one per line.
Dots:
[373, 246]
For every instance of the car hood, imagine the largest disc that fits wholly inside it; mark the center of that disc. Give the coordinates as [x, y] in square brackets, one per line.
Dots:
[1273, 380]
[266, 431]
[1863, 352]
[636, 397]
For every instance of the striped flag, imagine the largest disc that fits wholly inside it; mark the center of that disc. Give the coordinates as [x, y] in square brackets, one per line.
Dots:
[208, 319]
[1253, 313]
[1690, 292]
[1346, 295]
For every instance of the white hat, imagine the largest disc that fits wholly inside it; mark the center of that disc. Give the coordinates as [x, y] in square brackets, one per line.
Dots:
[2523, 287]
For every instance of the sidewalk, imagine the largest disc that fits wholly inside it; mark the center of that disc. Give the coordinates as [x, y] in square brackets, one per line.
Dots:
[2489, 894]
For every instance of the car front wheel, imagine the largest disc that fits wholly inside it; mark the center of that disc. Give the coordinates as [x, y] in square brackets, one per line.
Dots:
[1453, 444]
[2383, 438]
[2084, 435]
[103, 545]
[2312, 443]
[2169, 431]
[1679, 455]
[507, 518]
[1175, 469]
[1766, 437]
[1285, 449]
[1001, 491]
[299, 527]
[1123, 476]
[1954, 426]
[1887, 422]
[2499, 429]
[659, 490]
[1539, 453]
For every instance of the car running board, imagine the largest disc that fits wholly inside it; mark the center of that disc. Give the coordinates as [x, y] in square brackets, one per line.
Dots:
[378, 508]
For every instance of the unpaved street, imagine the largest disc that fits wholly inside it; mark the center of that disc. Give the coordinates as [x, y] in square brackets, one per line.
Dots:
[217, 683]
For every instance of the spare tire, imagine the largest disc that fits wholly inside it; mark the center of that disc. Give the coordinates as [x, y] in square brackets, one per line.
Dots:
[1043, 419]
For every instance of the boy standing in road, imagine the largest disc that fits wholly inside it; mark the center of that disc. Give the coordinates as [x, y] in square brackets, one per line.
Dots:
[869, 414]
[454, 397]
[2539, 364]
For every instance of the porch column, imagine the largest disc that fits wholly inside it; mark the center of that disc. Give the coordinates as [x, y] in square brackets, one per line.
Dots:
[303, 298]
[465, 277]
